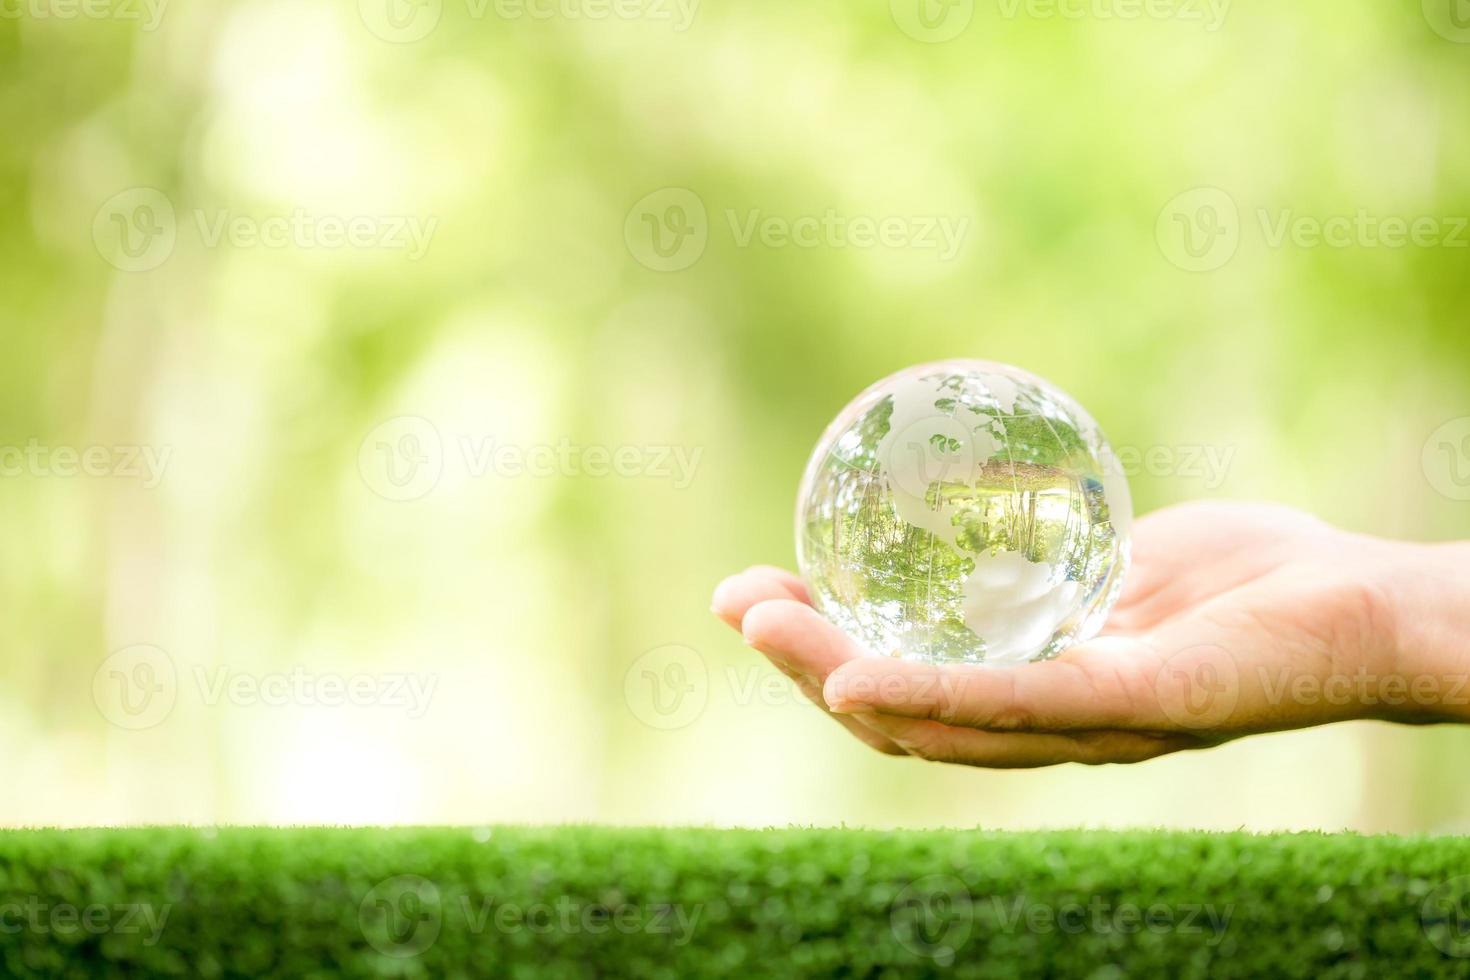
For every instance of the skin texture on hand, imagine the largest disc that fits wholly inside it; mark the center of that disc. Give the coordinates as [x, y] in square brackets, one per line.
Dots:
[1235, 619]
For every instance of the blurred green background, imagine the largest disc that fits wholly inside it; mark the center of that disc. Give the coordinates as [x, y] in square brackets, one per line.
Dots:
[413, 307]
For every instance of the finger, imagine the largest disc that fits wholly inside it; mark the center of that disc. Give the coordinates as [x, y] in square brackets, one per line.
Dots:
[795, 634]
[865, 734]
[1105, 684]
[738, 593]
[759, 623]
[799, 642]
[1008, 750]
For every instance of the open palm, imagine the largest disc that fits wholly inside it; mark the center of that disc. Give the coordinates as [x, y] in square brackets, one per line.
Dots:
[1234, 619]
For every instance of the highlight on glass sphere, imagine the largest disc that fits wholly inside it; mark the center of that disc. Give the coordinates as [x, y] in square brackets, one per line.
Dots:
[964, 511]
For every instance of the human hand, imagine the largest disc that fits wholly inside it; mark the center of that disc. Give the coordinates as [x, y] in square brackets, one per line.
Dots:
[1234, 619]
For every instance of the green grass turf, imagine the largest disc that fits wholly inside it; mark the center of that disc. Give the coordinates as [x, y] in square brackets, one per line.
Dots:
[586, 901]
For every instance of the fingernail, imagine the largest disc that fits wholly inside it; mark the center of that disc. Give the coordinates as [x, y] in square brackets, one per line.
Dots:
[849, 708]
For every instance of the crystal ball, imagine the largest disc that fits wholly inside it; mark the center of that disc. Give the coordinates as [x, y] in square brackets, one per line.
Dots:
[964, 512]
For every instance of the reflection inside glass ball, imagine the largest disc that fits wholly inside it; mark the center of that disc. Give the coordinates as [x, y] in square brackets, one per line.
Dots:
[964, 511]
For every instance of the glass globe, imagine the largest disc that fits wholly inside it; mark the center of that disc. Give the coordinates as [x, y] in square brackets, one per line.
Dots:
[964, 511]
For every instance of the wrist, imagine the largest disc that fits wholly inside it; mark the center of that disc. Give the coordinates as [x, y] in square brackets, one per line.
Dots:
[1425, 589]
